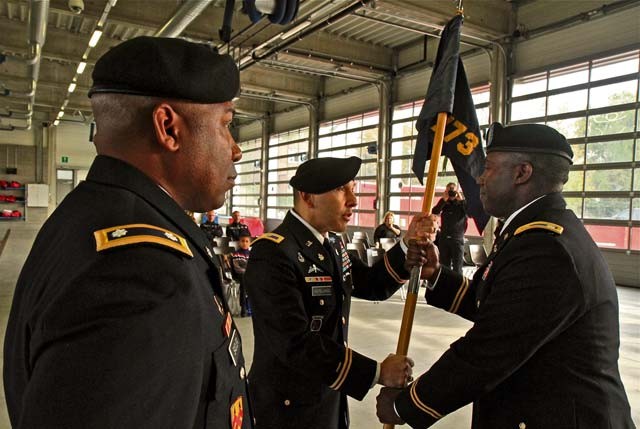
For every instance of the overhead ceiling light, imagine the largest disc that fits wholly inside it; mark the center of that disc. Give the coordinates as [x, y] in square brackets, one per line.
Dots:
[95, 38]
[60, 114]
[298, 28]
[56, 123]
[72, 86]
[81, 67]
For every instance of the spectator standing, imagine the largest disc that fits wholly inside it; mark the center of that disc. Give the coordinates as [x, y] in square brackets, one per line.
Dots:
[452, 209]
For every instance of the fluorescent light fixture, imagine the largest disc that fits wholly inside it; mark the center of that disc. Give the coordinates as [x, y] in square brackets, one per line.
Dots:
[72, 86]
[60, 114]
[65, 103]
[95, 37]
[81, 67]
[56, 123]
[298, 28]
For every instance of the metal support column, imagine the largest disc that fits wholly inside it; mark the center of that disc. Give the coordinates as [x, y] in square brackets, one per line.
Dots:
[498, 102]
[314, 129]
[385, 88]
[264, 154]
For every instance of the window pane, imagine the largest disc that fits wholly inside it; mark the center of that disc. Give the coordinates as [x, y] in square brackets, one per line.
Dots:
[403, 111]
[354, 138]
[615, 151]
[569, 76]
[612, 95]
[354, 122]
[368, 169]
[618, 65]
[483, 116]
[528, 109]
[370, 119]
[635, 238]
[612, 237]
[570, 128]
[611, 123]
[400, 148]
[480, 97]
[575, 204]
[403, 129]
[608, 180]
[529, 85]
[364, 219]
[567, 102]
[401, 166]
[324, 143]
[606, 208]
[575, 181]
[279, 188]
[635, 211]
[578, 153]
[636, 179]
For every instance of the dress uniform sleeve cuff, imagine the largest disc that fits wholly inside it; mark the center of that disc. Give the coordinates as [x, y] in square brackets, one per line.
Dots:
[377, 376]
[394, 264]
[415, 410]
[354, 374]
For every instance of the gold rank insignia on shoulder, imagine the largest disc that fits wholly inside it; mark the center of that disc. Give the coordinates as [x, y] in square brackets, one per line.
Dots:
[271, 236]
[139, 233]
[540, 225]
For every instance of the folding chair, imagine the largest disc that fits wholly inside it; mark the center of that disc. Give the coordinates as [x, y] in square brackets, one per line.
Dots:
[387, 243]
[374, 255]
[478, 254]
[359, 250]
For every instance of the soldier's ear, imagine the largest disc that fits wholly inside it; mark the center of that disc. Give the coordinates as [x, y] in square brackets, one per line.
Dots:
[308, 199]
[524, 171]
[167, 126]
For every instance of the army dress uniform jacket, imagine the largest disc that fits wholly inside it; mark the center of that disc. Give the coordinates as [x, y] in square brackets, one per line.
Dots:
[543, 350]
[302, 367]
[117, 321]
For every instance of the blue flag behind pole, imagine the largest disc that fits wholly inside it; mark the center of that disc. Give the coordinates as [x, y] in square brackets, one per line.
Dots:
[449, 92]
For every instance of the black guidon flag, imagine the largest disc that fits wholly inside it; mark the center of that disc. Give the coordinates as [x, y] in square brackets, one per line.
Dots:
[449, 92]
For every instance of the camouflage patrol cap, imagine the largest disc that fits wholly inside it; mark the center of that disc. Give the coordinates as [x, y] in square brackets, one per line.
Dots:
[167, 68]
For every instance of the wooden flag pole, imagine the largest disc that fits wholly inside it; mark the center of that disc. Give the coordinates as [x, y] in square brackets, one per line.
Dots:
[414, 282]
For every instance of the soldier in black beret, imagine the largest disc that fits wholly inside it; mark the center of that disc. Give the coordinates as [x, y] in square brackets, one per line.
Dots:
[543, 348]
[300, 280]
[118, 319]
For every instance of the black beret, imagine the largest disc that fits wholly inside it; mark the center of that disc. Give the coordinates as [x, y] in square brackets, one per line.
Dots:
[167, 68]
[320, 175]
[528, 138]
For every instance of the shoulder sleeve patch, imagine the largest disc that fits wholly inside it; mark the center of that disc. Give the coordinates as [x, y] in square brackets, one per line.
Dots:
[272, 236]
[540, 225]
[136, 233]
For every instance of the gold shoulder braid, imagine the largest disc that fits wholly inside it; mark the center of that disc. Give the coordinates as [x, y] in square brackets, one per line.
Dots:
[271, 236]
[136, 233]
[540, 225]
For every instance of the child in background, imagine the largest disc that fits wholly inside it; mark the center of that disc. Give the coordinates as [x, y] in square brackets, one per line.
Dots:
[240, 258]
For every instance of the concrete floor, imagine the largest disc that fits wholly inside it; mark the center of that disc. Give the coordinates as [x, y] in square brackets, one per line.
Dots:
[373, 331]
